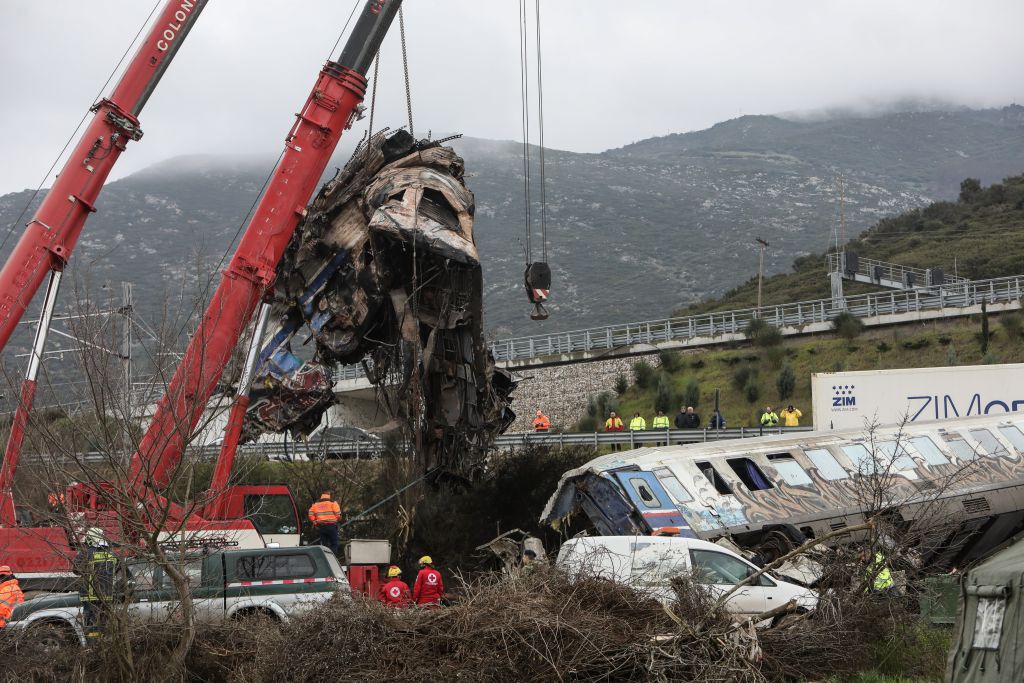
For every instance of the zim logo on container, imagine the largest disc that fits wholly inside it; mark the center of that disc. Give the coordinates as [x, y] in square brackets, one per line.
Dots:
[842, 396]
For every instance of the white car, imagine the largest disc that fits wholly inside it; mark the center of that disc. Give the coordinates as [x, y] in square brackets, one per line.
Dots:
[648, 563]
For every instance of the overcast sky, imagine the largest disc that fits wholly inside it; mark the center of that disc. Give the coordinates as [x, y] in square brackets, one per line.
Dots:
[615, 70]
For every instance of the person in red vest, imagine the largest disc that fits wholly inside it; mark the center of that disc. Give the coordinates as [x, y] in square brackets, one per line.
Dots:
[395, 593]
[541, 423]
[429, 588]
[325, 515]
[10, 594]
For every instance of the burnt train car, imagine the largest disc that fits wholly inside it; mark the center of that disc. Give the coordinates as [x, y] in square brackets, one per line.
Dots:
[960, 483]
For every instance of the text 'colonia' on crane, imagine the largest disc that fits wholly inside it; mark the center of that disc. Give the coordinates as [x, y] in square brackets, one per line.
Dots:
[171, 32]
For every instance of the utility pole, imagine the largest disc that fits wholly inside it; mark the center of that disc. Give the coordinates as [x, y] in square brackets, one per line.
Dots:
[760, 273]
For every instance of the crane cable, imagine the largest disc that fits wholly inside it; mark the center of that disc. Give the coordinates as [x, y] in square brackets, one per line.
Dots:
[524, 94]
[405, 73]
[540, 141]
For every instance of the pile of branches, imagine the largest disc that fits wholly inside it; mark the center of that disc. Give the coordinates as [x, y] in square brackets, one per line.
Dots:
[539, 627]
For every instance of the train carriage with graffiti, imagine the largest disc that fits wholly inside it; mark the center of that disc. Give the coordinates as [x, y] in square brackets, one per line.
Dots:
[769, 493]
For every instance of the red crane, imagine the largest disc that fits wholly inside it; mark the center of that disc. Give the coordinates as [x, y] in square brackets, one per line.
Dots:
[51, 235]
[330, 109]
[332, 106]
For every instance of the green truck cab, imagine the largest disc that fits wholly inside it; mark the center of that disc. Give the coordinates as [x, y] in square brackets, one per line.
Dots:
[227, 584]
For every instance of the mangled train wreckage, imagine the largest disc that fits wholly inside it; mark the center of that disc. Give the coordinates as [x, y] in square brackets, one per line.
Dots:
[955, 487]
[384, 270]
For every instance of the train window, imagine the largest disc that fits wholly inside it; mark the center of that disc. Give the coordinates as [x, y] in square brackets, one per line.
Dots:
[1014, 436]
[861, 458]
[645, 493]
[929, 451]
[828, 467]
[673, 485]
[720, 484]
[960, 448]
[989, 443]
[789, 469]
[896, 453]
[750, 474]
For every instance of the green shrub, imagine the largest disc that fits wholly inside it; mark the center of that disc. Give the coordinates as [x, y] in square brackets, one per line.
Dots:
[621, 384]
[951, 358]
[643, 374]
[847, 325]
[785, 383]
[883, 347]
[691, 394]
[774, 356]
[945, 340]
[742, 376]
[670, 360]
[763, 333]
[752, 392]
[1013, 326]
[917, 344]
[591, 407]
[665, 398]
[589, 423]
[697, 364]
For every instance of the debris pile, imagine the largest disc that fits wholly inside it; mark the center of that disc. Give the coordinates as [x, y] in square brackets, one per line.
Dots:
[384, 270]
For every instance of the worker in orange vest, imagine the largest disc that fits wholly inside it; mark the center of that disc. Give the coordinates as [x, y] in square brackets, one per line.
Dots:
[325, 515]
[10, 594]
[541, 423]
[395, 593]
[429, 588]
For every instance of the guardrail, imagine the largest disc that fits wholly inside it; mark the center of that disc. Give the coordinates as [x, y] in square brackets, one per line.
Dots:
[1006, 289]
[372, 448]
[875, 271]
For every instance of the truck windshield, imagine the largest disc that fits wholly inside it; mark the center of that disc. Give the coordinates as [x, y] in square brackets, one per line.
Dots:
[271, 514]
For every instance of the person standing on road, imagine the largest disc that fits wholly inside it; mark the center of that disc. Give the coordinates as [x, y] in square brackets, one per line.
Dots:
[325, 515]
[98, 567]
[429, 587]
[769, 418]
[637, 424]
[614, 424]
[541, 423]
[660, 421]
[791, 416]
[692, 418]
[395, 593]
[10, 594]
[681, 420]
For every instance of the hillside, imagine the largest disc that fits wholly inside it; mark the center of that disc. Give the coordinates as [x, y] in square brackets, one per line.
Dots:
[633, 233]
[983, 230]
[980, 235]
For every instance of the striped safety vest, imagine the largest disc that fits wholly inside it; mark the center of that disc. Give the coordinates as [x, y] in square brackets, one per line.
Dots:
[324, 512]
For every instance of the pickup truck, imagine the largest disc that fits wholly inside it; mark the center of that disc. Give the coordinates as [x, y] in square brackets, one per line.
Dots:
[274, 582]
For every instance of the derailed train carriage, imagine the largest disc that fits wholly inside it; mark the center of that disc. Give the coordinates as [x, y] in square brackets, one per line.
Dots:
[959, 484]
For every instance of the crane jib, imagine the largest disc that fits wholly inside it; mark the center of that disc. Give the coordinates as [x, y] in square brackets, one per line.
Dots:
[172, 29]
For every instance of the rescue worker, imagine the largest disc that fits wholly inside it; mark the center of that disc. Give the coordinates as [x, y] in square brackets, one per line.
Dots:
[660, 421]
[97, 566]
[878, 573]
[613, 423]
[325, 515]
[541, 423]
[791, 416]
[395, 593]
[10, 594]
[637, 424]
[716, 421]
[429, 588]
[769, 418]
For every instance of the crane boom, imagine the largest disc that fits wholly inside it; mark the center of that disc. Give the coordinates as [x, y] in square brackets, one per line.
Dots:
[51, 235]
[330, 109]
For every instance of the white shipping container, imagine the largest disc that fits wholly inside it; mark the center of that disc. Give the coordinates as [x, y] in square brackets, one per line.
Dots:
[851, 400]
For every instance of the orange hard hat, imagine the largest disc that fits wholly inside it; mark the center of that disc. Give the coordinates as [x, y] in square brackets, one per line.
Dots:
[4, 569]
[325, 495]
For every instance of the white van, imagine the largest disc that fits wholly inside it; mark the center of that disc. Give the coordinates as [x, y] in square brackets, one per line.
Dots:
[648, 563]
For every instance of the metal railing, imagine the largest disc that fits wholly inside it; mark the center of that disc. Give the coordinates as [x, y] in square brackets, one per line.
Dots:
[875, 271]
[997, 290]
[372, 448]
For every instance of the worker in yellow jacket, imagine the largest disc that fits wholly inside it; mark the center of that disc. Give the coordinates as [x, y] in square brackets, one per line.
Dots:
[790, 416]
[660, 421]
[637, 424]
